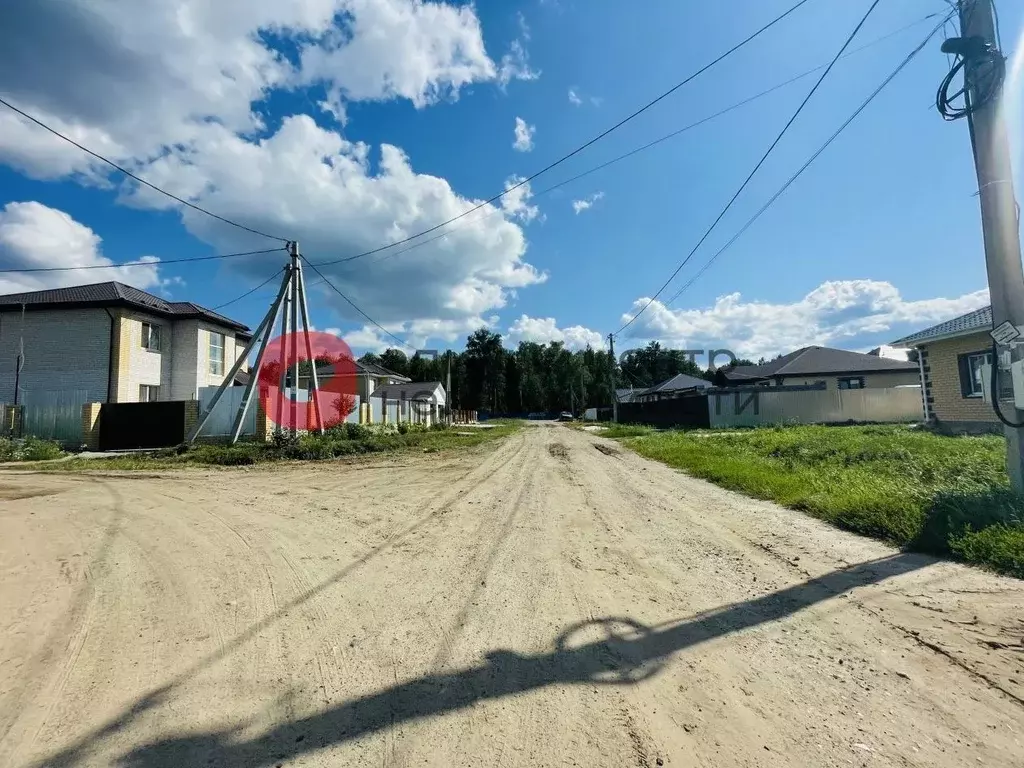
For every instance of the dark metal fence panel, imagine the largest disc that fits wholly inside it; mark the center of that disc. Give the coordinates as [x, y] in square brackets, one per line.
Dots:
[141, 425]
[689, 411]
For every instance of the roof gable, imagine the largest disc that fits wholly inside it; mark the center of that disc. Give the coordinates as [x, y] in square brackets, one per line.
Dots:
[677, 382]
[113, 293]
[819, 361]
[971, 322]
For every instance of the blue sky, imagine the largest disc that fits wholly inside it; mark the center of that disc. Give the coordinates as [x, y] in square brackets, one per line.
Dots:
[279, 117]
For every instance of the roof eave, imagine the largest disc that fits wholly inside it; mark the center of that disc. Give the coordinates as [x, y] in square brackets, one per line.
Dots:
[905, 344]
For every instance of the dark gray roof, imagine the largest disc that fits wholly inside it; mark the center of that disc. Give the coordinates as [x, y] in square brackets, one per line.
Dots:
[627, 395]
[412, 390]
[815, 361]
[678, 382]
[371, 369]
[972, 322]
[114, 294]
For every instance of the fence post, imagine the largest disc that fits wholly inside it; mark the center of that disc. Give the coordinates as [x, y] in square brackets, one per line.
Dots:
[191, 415]
[91, 426]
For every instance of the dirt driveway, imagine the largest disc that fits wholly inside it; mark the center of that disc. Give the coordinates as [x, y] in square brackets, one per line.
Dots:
[553, 601]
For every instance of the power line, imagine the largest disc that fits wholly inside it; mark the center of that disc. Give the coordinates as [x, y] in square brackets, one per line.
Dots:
[352, 304]
[247, 293]
[139, 179]
[579, 149]
[757, 167]
[156, 263]
[664, 138]
[813, 157]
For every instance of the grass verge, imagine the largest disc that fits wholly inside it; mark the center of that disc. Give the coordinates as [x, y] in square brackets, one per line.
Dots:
[947, 496]
[336, 443]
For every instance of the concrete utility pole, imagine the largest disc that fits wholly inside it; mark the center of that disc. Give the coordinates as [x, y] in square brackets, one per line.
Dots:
[611, 366]
[998, 204]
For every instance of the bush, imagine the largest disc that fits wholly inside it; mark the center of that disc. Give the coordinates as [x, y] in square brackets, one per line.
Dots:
[356, 431]
[29, 449]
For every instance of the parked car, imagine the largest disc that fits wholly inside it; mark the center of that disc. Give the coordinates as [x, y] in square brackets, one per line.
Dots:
[565, 416]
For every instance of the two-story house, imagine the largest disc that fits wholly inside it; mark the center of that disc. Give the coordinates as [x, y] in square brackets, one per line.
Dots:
[114, 343]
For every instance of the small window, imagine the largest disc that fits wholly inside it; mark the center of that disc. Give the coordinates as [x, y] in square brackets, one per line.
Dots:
[151, 337]
[851, 382]
[217, 354]
[148, 393]
[970, 376]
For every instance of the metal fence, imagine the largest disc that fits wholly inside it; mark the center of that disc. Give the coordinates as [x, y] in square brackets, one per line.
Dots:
[54, 415]
[754, 407]
[223, 415]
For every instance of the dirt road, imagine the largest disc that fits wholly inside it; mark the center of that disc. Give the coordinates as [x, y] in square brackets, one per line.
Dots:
[554, 601]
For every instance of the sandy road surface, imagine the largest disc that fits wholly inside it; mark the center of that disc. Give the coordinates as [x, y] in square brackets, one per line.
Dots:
[554, 601]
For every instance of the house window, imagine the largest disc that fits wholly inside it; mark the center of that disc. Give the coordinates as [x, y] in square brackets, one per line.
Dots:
[851, 382]
[148, 393]
[151, 337]
[970, 366]
[217, 354]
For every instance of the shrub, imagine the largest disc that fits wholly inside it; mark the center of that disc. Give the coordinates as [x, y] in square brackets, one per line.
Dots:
[357, 431]
[29, 449]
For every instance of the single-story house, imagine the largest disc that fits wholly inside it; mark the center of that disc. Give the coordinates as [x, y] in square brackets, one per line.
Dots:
[423, 399]
[369, 376]
[951, 356]
[679, 385]
[837, 368]
[110, 342]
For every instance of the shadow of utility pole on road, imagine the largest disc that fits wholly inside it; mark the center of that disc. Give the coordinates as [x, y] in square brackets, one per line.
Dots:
[628, 652]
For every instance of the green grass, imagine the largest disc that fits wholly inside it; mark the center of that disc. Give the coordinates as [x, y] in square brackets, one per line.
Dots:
[336, 444]
[29, 449]
[922, 491]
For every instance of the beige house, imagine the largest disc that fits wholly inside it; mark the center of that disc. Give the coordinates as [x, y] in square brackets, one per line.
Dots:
[110, 342]
[836, 368]
[951, 356]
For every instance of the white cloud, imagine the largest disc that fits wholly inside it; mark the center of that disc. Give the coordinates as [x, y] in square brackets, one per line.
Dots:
[543, 330]
[516, 202]
[837, 313]
[33, 235]
[574, 99]
[184, 83]
[169, 70]
[524, 136]
[586, 203]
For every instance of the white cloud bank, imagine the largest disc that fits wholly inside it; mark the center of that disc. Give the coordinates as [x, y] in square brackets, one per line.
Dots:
[183, 84]
[836, 313]
[33, 235]
[543, 330]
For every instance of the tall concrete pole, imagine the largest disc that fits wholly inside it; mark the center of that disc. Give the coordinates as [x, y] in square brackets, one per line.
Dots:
[611, 365]
[998, 204]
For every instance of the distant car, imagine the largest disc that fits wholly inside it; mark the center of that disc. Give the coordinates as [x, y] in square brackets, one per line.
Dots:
[565, 416]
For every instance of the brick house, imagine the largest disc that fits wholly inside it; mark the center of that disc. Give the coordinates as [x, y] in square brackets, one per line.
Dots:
[836, 368]
[111, 342]
[951, 355]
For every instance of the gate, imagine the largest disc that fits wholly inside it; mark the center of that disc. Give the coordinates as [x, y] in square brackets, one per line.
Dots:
[54, 415]
[141, 425]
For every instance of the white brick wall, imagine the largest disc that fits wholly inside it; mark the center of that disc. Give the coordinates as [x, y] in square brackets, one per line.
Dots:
[144, 366]
[64, 350]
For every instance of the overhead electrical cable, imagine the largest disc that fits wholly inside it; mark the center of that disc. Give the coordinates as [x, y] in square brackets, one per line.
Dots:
[757, 167]
[807, 164]
[578, 149]
[139, 179]
[655, 142]
[250, 292]
[139, 263]
[352, 304]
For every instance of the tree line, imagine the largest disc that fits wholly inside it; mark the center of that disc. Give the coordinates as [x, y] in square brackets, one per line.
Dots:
[533, 378]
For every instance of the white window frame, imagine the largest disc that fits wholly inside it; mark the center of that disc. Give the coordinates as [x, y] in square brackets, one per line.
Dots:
[149, 393]
[847, 379]
[216, 365]
[147, 337]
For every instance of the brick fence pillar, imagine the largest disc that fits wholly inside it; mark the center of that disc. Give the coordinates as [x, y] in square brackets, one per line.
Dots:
[191, 416]
[91, 426]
